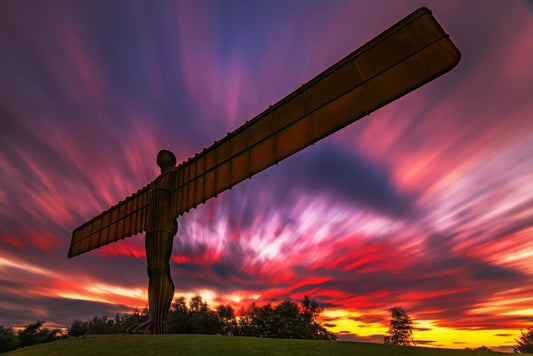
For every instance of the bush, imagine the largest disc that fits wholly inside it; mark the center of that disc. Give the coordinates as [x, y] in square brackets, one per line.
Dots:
[8, 339]
[525, 342]
[35, 334]
[77, 328]
[286, 320]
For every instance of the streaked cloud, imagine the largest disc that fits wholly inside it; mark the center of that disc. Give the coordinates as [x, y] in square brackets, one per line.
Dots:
[427, 203]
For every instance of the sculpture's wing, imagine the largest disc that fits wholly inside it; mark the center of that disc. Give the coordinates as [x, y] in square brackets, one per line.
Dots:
[125, 219]
[409, 54]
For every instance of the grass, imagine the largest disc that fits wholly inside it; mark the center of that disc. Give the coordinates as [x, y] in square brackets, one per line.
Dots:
[117, 345]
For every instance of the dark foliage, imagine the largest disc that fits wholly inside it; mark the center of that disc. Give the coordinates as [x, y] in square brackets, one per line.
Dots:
[8, 339]
[524, 342]
[480, 348]
[31, 334]
[178, 318]
[105, 325]
[401, 328]
[35, 334]
[286, 320]
[77, 328]
[226, 317]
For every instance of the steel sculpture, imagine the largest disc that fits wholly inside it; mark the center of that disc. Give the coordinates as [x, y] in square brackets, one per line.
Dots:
[409, 54]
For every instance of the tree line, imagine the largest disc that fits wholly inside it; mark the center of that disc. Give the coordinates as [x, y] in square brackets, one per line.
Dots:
[31, 334]
[285, 320]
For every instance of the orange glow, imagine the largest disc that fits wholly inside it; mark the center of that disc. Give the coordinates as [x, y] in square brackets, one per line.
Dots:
[426, 204]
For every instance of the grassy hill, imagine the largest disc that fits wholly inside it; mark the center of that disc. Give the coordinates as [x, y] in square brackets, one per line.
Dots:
[116, 345]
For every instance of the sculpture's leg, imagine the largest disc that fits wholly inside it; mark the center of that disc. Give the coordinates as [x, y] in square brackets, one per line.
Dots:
[160, 287]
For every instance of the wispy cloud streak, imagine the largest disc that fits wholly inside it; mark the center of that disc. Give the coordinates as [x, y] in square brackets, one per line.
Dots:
[427, 203]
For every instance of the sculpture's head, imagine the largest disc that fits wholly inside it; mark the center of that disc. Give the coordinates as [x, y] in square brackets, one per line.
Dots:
[166, 161]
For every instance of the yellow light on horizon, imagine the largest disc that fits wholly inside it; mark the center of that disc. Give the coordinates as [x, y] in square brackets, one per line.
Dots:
[424, 331]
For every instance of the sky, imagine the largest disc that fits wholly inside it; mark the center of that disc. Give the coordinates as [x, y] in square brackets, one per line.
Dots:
[426, 203]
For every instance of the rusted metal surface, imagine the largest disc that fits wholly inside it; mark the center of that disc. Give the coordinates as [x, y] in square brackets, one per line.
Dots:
[411, 53]
[125, 219]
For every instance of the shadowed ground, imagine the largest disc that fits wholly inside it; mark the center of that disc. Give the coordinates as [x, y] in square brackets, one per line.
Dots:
[221, 345]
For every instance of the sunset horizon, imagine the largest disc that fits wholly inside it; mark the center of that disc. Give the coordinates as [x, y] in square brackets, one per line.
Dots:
[426, 203]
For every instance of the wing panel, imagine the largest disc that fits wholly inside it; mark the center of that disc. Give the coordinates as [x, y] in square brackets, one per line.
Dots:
[343, 79]
[260, 128]
[240, 168]
[125, 219]
[402, 58]
[289, 111]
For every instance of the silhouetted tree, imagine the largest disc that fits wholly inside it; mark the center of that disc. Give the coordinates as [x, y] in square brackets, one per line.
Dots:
[32, 334]
[289, 321]
[401, 328]
[244, 323]
[480, 348]
[77, 328]
[203, 319]
[524, 342]
[136, 318]
[311, 312]
[311, 308]
[105, 325]
[226, 316]
[286, 320]
[35, 334]
[178, 318]
[8, 339]
[262, 321]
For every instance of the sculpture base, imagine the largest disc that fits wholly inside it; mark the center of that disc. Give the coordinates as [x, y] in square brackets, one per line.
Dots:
[149, 327]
